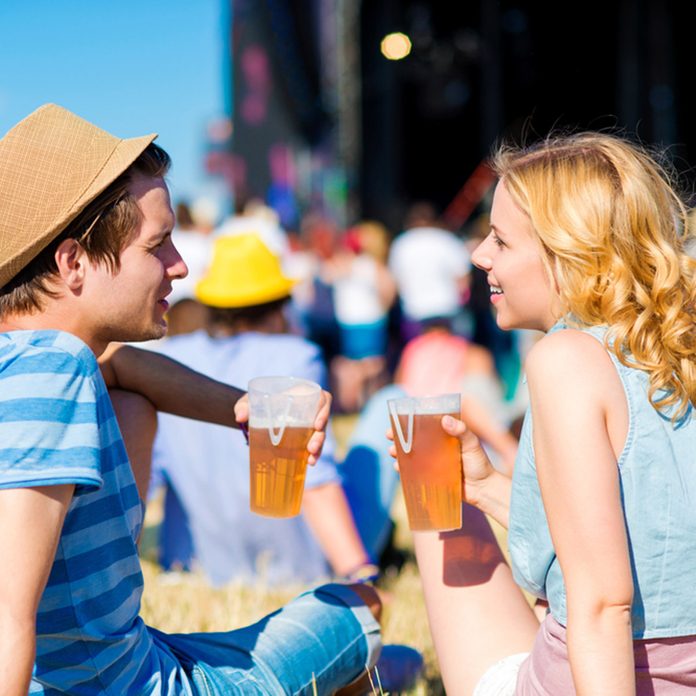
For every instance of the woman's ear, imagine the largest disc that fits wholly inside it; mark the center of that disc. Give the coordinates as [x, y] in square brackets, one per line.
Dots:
[72, 261]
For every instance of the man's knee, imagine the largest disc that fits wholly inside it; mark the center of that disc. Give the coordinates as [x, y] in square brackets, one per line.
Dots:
[370, 596]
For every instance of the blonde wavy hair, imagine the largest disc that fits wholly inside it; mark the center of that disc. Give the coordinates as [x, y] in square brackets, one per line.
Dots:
[614, 230]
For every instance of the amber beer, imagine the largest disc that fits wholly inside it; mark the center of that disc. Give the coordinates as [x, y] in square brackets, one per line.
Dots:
[277, 472]
[282, 411]
[431, 473]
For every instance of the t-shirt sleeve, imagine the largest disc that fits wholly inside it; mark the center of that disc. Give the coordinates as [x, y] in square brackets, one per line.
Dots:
[48, 422]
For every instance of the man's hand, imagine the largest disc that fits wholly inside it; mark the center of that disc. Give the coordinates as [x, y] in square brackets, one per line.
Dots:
[316, 442]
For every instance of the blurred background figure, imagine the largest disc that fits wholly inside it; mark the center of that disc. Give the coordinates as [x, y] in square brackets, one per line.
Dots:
[436, 362]
[192, 237]
[318, 245]
[364, 292]
[207, 521]
[370, 480]
[504, 345]
[255, 217]
[439, 362]
[431, 268]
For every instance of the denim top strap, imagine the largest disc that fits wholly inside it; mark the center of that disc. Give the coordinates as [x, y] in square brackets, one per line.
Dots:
[657, 471]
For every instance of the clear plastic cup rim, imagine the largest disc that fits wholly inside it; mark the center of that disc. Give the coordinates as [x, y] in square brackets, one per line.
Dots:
[425, 405]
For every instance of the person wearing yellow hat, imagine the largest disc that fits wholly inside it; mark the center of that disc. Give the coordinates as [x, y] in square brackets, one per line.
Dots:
[86, 259]
[246, 292]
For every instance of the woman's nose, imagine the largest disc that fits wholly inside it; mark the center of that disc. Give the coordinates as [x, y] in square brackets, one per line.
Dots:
[480, 257]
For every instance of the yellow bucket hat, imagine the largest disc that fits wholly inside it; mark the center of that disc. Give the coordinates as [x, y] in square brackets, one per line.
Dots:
[244, 272]
[52, 164]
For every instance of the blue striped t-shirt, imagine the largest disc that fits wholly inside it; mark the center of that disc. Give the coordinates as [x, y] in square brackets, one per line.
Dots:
[57, 426]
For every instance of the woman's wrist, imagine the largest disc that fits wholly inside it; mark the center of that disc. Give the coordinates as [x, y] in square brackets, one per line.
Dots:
[491, 495]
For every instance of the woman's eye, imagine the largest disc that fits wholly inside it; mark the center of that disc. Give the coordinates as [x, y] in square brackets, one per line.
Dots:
[498, 241]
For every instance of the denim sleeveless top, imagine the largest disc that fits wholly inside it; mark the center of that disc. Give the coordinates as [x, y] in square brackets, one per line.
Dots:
[657, 470]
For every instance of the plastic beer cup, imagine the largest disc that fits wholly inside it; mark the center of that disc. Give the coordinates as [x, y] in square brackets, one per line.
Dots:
[281, 421]
[429, 461]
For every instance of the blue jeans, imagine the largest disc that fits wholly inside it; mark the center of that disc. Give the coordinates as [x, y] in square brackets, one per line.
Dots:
[327, 635]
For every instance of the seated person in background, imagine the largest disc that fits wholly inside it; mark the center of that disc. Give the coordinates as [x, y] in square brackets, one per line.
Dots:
[369, 477]
[205, 467]
[438, 362]
[364, 292]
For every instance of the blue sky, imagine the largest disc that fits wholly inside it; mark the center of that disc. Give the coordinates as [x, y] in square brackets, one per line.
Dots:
[129, 66]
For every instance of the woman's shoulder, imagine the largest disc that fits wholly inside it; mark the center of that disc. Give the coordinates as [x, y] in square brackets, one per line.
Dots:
[568, 355]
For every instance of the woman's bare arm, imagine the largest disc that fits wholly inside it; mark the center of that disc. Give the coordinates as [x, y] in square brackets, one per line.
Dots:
[571, 382]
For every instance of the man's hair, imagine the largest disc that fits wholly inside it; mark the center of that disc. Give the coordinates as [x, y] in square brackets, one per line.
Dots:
[103, 229]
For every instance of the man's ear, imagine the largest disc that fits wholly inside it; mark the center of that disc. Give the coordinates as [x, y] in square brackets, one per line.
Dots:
[72, 262]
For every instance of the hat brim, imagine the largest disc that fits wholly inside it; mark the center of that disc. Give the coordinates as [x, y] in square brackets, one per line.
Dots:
[210, 295]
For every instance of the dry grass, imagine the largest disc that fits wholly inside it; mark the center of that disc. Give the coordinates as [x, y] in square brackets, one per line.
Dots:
[186, 603]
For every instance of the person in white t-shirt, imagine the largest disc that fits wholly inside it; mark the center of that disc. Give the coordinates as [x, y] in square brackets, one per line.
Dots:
[431, 268]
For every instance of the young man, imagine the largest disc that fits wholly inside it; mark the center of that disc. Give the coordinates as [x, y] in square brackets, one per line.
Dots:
[86, 258]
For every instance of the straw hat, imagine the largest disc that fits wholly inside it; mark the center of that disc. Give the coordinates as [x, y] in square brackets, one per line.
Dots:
[52, 164]
[243, 272]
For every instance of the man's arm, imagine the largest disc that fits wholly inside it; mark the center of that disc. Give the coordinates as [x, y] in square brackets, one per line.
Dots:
[169, 385]
[174, 388]
[31, 520]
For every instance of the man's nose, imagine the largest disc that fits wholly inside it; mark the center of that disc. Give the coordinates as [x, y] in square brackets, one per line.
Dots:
[177, 267]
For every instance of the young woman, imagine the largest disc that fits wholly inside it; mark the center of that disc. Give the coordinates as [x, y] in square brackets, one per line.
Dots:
[586, 244]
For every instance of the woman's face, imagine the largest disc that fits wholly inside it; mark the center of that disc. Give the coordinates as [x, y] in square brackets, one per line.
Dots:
[511, 255]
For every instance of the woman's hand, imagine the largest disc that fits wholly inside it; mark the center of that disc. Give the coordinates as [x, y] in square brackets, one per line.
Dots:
[316, 442]
[482, 486]
[476, 466]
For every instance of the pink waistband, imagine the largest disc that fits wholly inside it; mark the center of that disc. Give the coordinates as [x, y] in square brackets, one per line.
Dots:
[664, 666]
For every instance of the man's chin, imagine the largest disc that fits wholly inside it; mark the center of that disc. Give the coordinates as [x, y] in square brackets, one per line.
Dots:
[158, 331]
[152, 333]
